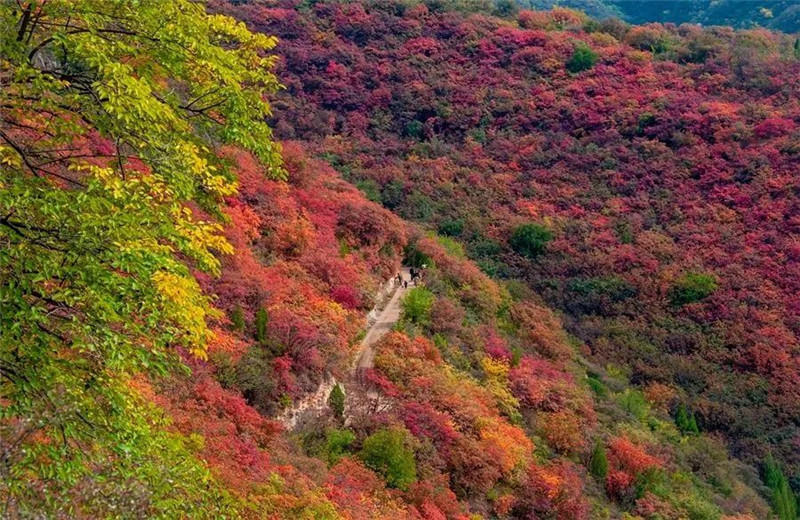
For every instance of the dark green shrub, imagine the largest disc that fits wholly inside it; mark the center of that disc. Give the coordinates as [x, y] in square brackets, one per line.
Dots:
[370, 189]
[692, 287]
[413, 257]
[393, 194]
[530, 240]
[237, 319]
[254, 376]
[598, 295]
[598, 463]
[414, 129]
[451, 228]
[337, 443]
[596, 385]
[419, 207]
[505, 8]
[262, 320]
[583, 58]
[686, 421]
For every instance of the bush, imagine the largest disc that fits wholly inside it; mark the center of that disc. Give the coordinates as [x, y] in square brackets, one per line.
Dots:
[598, 295]
[387, 453]
[451, 228]
[237, 319]
[530, 240]
[583, 58]
[598, 463]
[417, 305]
[330, 444]
[692, 287]
[596, 385]
[634, 402]
[414, 129]
[393, 194]
[452, 247]
[505, 8]
[370, 189]
[255, 377]
[337, 443]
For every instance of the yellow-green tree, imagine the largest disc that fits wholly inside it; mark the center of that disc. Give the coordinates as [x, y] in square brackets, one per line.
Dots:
[111, 112]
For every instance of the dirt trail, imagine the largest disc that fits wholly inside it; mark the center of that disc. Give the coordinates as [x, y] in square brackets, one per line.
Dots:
[383, 324]
[379, 322]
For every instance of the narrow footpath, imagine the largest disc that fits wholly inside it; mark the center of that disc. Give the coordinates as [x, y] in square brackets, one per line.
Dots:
[385, 322]
[317, 402]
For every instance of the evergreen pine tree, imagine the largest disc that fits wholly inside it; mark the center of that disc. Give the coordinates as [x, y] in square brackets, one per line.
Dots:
[686, 421]
[692, 426]
[336, 400]
[682, 419]
[262, 319]
[784, 502]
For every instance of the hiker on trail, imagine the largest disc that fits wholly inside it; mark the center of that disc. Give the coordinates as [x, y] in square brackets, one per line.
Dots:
[399, 278]
[405, 284]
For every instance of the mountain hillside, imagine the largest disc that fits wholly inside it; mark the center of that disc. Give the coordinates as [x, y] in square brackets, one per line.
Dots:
[655, 168]
[592, 225]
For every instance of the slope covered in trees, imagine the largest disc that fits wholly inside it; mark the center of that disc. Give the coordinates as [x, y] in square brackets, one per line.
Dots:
[171, 278]
[662, 161]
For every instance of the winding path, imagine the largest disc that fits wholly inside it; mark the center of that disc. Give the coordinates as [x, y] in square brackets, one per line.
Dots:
[317, 401]
[383, 324]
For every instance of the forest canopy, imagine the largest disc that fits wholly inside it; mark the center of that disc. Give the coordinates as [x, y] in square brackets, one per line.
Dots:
[492, 263]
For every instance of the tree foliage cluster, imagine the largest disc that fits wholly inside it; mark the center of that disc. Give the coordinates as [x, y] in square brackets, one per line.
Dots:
[111, 114]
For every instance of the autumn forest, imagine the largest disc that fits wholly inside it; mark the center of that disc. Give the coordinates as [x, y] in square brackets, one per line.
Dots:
[384, 259]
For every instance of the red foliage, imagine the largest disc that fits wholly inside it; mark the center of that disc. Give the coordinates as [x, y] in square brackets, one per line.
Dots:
[496, 346]
[234, 434]
[423, 420]
[434, 499]
[361, 494]
[626, 462]
[644, 167]
[347, 296]
[289, 261]
[774, 127]
[554, 491]
[563, 430]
